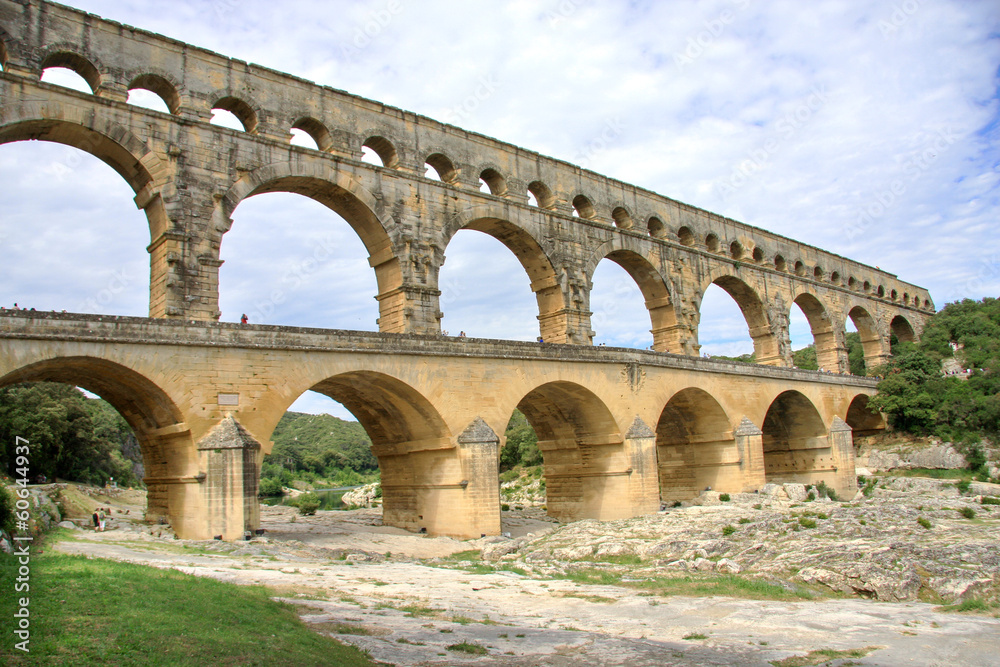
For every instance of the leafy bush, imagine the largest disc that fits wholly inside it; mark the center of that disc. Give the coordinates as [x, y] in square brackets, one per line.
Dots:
[822, 490]
[811, 497]
[924, 522]
[963, 486]
[728, 530]
[968, 512]
[270, 487]
[6, 510]
[308, 503]
[989, 500]
[724, 497]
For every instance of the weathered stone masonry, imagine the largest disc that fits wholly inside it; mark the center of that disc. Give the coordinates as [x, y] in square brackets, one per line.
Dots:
[619, 429]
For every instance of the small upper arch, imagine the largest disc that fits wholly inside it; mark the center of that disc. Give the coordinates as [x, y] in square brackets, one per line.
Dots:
[583, 207]
[384, 149]
[542, 194]
[622, 218]
[243, 112]
[736, 250]
[315, 129]
[76, 63]
[758, 254]
[3, 49]
[494, 180]
[159, 85]
[780, 264]
[685, 236]
[655, 227]
[712, 243]
[443, 166]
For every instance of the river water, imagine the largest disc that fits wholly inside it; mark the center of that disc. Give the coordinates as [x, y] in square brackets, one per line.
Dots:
[329, 499]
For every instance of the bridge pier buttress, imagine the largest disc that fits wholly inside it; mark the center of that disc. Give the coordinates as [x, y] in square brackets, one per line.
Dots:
[231, 458]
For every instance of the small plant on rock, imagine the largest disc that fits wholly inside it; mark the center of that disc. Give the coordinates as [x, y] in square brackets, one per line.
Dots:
[728, 530]
[724, 497]
[968, 512]
[989, 500]
[924, 522]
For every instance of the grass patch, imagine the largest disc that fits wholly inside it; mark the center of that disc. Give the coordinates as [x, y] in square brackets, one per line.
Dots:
[729, 585]
[989, 500]
[728, 530]
[468, 647]
[347, 629]
[806, 522]
[935, 473]
[695, 635]
[617, 559]
[968, 512]
[822, 656]
[470, 554]
[99, 612]
[724, 497]
[971, 605]
[924, 522]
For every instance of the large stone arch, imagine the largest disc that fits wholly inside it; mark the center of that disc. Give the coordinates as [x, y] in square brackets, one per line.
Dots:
[831, 355]
[414, 447]
[796, 442]
[874, 342]
[585, 462]
[862, 420]
[765, 343]
[655, 292]
[114, 145]
[695, 447]
[902, 329]
[348, 198]
[542, 274]
[152, 414]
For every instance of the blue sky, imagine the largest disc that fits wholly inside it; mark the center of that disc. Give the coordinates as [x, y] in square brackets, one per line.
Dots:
[800, 118]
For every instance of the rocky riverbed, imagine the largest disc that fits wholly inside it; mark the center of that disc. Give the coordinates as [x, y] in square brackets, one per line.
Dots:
[865, 582]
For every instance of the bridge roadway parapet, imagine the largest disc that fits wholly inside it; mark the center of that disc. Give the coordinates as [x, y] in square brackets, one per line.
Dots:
[619, 430]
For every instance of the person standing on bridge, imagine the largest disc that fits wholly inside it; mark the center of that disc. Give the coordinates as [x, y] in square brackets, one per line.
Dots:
[244, 319]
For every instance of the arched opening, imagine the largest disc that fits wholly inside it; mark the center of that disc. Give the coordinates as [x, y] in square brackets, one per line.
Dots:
[852, 283]
[835, 277]
[780, 264]
[868, 337]
[228, 108]
[484, 290]
[867, 287]
[758, 255]
[408, 438]
[151, 415]
[542, 194]
[736, 250]
[384, 149]
[584, 460]
[70, 70]
[311, 271]
[626, 291]
[862, 419]
[152, 91]
[622, 218]
[583, 208]
[695, 447]
[881, 292]
[894, 295]
[80, 241]
[311, 133]
[818, 273]
[685, 236]
[712, 243]
[440, 166]
[800, 268]
[724, 333]
[492, 182]
[796, 444]
[902, 331]
[819, 350]
[656, 228]
[3, 56]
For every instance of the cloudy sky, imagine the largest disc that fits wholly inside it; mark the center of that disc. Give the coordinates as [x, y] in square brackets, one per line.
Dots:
[869, 129]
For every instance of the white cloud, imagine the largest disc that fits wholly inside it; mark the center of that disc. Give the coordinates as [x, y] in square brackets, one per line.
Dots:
[853, 95]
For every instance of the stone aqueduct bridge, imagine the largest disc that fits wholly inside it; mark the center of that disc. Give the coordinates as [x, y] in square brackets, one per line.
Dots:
[619, 429]
[190, 175]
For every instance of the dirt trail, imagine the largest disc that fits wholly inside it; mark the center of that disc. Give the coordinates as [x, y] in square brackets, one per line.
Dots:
[412, 611]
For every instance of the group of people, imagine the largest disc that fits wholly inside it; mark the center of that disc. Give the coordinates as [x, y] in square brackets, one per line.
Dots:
[100, 519]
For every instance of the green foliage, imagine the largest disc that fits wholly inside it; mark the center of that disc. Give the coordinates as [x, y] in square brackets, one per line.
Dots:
[71, 436]
[823, 490]
[806, 522]
[6, 510]
[468, 647]
[963, 486]
[269, 487]
[989, 500]
[308, 503]
[319, 444]
[917, 398]
[728, 530]
[724, 497]
[968, 512]
[521, 447]
[750, 358]
[91, 611]
[805, 358]
[924, 522]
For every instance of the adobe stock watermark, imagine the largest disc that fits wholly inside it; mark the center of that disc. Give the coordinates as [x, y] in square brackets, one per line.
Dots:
[296, 276]
[612, 130]
[901, 13]
[368, 30]
[784, 129]
[889, 196]
[488, 85]
[563, 11]
[119, 281]
[22, 545]
[699, 43]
